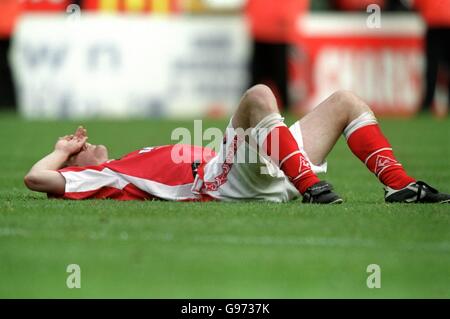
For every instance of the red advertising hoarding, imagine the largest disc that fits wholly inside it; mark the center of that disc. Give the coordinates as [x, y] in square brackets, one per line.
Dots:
[382, 65]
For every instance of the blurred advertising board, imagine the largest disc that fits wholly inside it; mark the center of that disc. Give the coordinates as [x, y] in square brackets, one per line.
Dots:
[128, 66]
[98, 65]
[383, 64]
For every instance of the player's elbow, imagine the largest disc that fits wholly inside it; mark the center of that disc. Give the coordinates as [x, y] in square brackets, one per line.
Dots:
[45, 181]
[31, 181]
[36, 181]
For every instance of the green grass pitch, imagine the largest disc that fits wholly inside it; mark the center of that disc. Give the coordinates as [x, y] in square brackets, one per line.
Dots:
[223, 250]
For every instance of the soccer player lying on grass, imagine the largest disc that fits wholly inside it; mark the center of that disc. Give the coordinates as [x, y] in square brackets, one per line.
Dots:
[286, 166]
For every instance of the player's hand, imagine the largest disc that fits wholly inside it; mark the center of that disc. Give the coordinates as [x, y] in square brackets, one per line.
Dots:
[80, 132]
[70, 144]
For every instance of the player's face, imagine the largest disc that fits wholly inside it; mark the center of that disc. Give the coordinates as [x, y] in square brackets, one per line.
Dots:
[90, 155]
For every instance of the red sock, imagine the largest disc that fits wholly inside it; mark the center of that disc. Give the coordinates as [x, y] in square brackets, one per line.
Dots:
[282, 148]
[371, 147]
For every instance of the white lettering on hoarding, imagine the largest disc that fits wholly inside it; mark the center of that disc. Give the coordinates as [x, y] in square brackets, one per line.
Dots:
[388, 79]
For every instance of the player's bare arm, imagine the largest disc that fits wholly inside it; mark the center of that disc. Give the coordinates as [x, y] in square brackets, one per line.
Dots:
[43, 176]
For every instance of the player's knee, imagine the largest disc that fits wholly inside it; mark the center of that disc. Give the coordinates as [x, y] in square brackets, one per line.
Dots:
[343, 97]
[348, 103]
[261, 98]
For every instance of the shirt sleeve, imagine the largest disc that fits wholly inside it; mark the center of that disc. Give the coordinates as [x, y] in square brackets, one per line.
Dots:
[91, 182]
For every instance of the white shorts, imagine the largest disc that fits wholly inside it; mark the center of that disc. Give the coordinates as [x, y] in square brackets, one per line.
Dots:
[249, 180]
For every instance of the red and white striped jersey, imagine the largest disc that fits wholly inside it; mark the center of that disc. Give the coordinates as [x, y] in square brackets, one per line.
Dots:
[162, 172]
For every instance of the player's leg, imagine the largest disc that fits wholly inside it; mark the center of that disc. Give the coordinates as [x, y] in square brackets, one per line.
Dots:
[345, 113]
[323, 126]
[257, 103]
[258, 109]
